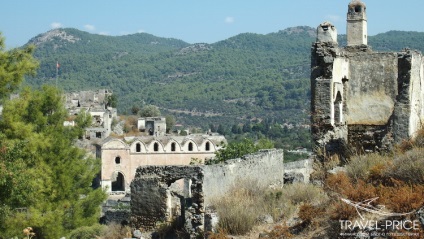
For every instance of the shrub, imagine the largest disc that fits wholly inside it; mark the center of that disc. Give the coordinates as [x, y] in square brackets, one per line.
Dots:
[280, 231]
[282, 203]
[87, 232]
[359, 167]
[308, 212]
[116, 231]
[409, 167]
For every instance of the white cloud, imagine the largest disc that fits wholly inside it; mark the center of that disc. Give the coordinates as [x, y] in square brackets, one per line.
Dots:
[229, 20]
[141, 31]
[104, 33]
[55, 25]
[89, 27]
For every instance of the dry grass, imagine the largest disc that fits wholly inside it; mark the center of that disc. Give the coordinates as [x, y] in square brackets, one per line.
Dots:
[240, 210]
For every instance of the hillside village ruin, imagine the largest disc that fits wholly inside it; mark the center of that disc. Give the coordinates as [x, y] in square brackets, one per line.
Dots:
[360, 99]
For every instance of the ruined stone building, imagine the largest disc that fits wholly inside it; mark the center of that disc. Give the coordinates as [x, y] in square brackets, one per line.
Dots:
[96, 104]
[152, 125]
[183, 195]
[362, 98]
[121, 157]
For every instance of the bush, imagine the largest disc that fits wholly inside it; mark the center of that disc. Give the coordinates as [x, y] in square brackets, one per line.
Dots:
[359, 167]
[87, 232]
[409, 167]
[116, 231]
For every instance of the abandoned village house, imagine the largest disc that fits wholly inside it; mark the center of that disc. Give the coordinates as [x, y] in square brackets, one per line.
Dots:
[360, 98]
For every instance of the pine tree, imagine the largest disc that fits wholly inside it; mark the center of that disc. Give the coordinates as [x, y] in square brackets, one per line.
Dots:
[45, 181]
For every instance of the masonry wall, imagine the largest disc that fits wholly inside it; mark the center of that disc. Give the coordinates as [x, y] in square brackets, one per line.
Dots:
[154, 197]
[372, 88]
[263, 168]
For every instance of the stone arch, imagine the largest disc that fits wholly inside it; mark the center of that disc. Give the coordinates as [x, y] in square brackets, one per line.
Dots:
[156, 146]
[208, 146]
[338, 108]
[118, 181]
[173, 146]
[138, 147]
[191, 146]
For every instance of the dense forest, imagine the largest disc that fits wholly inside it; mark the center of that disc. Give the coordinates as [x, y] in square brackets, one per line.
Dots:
[249, 79]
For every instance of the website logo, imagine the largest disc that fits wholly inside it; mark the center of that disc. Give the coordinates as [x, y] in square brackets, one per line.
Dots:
[377, 228]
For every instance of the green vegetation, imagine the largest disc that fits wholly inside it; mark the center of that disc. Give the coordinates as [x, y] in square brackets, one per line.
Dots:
[45, 181]
[239, 149]
[246, 79]
[14, 64]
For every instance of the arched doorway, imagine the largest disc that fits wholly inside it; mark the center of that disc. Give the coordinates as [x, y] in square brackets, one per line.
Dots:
[118, 183]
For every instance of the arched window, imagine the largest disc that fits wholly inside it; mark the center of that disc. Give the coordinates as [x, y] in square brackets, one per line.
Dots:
[208, 146]
[156, 147]
[117, 160]
[190, 146]
[173, 147]
[338, 109]
[138, 148]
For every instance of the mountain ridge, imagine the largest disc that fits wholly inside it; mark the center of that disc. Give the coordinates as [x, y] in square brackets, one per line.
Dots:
[245, 77]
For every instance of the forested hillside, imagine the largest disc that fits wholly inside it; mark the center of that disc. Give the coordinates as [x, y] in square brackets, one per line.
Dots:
[234, 81]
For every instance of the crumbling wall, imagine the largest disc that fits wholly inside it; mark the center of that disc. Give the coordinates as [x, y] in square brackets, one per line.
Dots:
[363, 99]
[155, 196]
[264, 168]
[153, 201]
[372, 88]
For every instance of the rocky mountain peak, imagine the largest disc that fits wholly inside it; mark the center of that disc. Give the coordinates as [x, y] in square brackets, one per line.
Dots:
[55, 34]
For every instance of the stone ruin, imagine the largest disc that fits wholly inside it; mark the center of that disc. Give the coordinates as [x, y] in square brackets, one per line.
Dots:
[361, 99]
[182, 194]
[96, 104]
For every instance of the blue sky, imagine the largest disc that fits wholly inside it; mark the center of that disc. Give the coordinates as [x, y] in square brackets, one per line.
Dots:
[196, 21]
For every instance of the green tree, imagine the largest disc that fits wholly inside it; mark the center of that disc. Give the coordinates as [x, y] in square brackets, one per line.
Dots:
[14, 65]
[57, 197]
[170, 122]
[149, 111]
[112, 101]
[235, 150]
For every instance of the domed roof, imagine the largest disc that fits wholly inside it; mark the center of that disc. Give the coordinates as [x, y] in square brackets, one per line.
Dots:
[355, 3]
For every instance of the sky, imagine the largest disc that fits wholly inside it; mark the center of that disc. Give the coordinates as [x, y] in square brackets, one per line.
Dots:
[196, 21]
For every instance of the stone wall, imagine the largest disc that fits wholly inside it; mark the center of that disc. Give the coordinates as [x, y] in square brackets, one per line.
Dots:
[263, 168]
[180, 194]
[363, 99]
[298, 171]
[360, 98]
